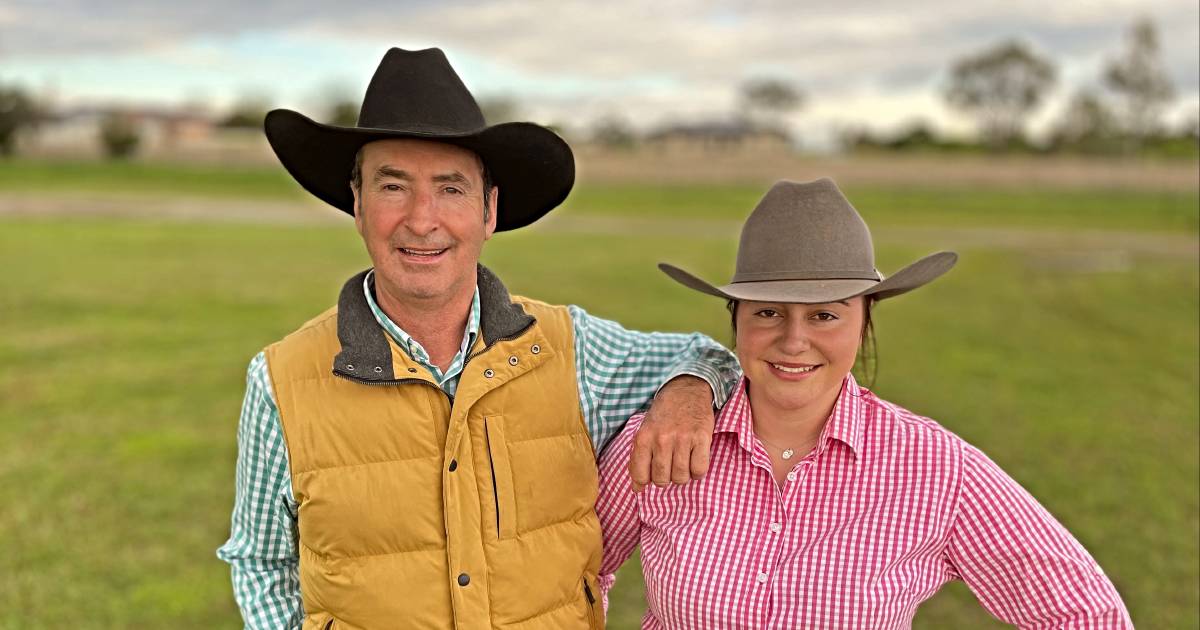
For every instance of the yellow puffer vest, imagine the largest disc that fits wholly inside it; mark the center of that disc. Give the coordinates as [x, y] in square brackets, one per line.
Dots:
[418, 511]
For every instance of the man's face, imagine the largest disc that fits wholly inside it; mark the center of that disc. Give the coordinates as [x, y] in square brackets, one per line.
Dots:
[421, 212]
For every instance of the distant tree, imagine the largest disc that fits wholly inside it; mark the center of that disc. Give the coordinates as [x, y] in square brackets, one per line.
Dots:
[343, 113]
[1140, 79]
[17, 111]
[1087, 125]
[247, 113]
[499, 109]
[1000, 86]
[613, 132]
[119, 135]
[767, 100]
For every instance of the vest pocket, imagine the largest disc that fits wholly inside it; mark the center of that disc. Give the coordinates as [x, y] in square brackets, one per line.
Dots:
[502, 480]
[595, 606]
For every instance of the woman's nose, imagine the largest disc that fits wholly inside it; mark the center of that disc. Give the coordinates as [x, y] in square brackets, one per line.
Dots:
[795, 339]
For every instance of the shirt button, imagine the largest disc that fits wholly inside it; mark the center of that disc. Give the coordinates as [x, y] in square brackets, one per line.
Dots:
[463, 579]
[453, 465]
[791, 476]
[762, 578]
[776, 527]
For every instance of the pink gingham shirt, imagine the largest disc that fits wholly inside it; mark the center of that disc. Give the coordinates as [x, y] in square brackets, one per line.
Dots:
[887, 508]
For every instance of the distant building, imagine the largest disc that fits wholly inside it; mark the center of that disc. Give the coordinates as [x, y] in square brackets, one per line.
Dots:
[719, 136]
[163, 133]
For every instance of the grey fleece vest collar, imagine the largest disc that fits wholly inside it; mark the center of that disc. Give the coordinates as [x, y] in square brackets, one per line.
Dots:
[366, 355]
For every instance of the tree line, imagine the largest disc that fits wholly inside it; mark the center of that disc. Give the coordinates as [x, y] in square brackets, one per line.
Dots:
[1000, 87]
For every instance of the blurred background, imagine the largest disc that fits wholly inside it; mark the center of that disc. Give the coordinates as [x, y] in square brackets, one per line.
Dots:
[152, 245]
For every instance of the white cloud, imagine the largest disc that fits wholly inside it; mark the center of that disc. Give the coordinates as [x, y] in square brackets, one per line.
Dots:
[575, 59]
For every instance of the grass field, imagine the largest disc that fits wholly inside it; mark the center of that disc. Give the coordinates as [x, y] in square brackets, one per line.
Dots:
[124, 344]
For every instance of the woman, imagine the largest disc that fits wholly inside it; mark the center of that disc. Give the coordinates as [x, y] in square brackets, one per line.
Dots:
[825, 506]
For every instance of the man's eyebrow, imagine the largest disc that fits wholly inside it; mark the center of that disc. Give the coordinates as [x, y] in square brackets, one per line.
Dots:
[453, 177]
[385, 171]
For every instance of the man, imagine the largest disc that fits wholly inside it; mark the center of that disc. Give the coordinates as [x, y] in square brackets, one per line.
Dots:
[423, 455]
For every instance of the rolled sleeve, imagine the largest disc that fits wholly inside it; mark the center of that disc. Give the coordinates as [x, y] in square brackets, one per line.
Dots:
[619, 371]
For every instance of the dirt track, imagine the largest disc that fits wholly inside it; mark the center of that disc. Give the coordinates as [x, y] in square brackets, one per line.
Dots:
[1084, 250]
[918, 170]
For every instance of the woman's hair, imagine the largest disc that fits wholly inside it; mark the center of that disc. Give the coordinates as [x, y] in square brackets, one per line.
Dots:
[866, 362]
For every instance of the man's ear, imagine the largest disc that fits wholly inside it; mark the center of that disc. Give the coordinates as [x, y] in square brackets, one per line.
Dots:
[493, 202]
[358, 220]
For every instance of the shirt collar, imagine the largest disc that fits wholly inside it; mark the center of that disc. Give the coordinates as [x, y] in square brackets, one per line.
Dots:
[845, 422]
[411, 346]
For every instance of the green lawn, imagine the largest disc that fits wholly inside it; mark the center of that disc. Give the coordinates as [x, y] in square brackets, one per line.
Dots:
[124, 344]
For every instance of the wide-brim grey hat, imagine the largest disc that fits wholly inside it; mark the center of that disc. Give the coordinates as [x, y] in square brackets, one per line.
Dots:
[804, 243]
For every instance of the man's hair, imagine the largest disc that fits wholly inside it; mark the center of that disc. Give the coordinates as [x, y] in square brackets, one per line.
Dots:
[484, 174]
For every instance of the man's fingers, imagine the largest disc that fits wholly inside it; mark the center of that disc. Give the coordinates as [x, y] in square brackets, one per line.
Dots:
[681, 462]
[660, 464]
[639, 461]
[700, 457]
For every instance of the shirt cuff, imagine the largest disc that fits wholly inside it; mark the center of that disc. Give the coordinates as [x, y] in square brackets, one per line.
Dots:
[713, 370]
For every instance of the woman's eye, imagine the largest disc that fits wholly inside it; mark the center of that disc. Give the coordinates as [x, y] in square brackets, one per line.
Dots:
[767, 312]
[825, 316]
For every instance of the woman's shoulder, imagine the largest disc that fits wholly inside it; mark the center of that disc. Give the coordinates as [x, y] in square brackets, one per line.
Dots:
[619, 447]
[889, 424]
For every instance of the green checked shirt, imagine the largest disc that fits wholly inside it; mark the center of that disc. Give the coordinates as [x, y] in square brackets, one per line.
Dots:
[618, 371]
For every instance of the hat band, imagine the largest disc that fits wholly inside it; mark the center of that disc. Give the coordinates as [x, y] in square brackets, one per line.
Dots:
[832, 274]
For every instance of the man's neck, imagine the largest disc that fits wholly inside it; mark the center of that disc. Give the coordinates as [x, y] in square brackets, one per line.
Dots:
[438, 325]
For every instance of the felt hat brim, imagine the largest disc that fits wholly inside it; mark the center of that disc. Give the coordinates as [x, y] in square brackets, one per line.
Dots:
[819, 291]
[532, 166]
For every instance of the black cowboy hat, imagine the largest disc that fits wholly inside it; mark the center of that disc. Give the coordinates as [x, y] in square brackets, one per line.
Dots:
[416, 94]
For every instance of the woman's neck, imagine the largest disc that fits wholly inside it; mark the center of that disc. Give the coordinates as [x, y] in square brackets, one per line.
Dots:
[792, 428]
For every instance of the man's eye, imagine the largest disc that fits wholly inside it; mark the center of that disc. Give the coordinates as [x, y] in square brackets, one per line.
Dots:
[391, 187]
[825, 316]
[767, 312]
[454, 191]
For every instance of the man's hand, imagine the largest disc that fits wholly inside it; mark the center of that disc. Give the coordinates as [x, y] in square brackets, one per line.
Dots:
[673, 443]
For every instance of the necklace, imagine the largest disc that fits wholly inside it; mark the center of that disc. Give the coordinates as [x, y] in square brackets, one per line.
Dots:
[787, 452]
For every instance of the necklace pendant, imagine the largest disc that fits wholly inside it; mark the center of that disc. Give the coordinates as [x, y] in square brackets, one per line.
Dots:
[787, 453]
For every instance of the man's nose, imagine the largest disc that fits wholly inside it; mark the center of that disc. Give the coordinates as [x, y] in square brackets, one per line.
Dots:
[422, 216]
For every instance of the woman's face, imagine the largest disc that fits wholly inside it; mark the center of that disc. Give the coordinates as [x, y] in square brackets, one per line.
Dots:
[796, 355]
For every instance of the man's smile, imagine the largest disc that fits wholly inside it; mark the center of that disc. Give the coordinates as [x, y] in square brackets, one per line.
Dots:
[422, 254]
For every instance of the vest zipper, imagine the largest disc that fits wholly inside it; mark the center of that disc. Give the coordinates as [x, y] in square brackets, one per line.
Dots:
[492, 464]
[498, 340]
[399, 381]
[597, 622]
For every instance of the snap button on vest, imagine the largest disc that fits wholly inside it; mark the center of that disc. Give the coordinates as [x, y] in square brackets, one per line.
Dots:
[413, 370]
[513, 360]
[488, 373]
[535, 349]
[463, 579]
[453, 465]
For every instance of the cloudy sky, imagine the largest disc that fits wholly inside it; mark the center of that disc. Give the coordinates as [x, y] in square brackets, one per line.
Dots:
[570, 62]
